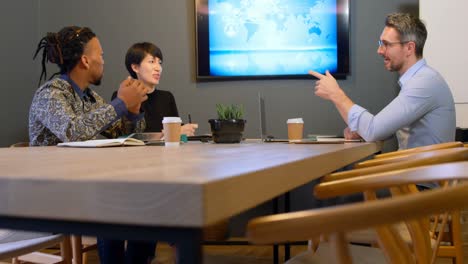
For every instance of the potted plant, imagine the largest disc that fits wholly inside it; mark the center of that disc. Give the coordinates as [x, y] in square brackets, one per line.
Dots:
[229, 126]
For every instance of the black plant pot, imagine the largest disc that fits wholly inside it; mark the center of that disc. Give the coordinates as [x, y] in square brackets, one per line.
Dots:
[227, 131]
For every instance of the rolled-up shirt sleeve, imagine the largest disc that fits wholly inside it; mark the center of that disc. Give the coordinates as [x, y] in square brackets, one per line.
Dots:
[409, 106]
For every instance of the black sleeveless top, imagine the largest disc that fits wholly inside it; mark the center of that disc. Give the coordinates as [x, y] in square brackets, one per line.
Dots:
[160, 103]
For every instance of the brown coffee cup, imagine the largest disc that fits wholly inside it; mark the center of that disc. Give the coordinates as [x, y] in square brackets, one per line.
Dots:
[295, 129]
[171, 126]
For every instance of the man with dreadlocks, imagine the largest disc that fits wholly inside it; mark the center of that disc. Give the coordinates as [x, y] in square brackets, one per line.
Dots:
[65, 108]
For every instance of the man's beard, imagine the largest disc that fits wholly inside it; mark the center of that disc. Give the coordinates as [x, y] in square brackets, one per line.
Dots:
[396, 68]
[97, 81]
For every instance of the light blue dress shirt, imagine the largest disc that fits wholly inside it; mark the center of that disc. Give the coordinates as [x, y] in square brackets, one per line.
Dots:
[422, 114]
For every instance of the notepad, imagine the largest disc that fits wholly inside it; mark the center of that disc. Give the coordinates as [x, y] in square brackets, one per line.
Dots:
[102, 143]
[320, 136]
[324, 140]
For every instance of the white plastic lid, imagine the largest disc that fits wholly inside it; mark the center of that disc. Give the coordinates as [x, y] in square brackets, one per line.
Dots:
[295, 120]
[172, 119]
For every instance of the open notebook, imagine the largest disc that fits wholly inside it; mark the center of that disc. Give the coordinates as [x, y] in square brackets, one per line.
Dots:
[101, 143]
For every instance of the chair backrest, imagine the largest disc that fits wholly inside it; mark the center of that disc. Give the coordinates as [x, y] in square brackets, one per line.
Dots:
[410, 161]
[404, 182]
[402, 155]
[28, 244]
[19, 144]
[78, 248]
[455, 144]
[412, 208]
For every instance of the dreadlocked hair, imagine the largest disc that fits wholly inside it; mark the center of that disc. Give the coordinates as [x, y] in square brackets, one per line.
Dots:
[63, 48]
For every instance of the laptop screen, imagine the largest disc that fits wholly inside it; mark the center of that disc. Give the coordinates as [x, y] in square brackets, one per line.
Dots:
[261, 111]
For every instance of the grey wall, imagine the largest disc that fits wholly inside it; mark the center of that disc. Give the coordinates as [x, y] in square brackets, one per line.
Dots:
[18, 31]
[170, 24]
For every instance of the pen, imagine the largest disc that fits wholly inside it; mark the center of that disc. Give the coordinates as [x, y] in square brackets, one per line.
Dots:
[189, 119]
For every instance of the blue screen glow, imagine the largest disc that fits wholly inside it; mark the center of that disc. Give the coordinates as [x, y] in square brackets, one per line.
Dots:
[272, 37]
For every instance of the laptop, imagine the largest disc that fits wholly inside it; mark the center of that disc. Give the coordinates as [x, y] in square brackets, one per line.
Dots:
[150, 138]
[263, 133]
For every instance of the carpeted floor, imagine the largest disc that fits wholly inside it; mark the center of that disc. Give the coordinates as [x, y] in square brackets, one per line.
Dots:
[247, 254]
[218, 254]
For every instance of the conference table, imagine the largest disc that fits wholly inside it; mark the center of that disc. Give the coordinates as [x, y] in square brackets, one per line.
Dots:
[155, 192]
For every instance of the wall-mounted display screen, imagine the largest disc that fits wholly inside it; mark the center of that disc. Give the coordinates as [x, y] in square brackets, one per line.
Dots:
[266, 39]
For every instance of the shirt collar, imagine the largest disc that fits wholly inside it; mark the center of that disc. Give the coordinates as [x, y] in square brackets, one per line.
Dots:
[411, 71]
[85, 95]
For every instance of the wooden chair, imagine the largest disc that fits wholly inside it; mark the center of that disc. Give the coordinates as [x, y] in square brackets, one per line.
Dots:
[21, 246]
[24, 246]
[78, 246]
[406, 161]
[454, 144]
[453, 236]
[396, 156]
[380, 215]
[20, 144]
[81, 245]
[455, 249]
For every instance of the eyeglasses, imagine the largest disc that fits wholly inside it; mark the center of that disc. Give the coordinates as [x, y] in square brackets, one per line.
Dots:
[386, 44]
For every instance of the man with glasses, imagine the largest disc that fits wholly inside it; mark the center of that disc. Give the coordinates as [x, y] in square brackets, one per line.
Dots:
[422, 114]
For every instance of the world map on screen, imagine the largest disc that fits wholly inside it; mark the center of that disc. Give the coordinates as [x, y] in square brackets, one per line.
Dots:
[270, 37]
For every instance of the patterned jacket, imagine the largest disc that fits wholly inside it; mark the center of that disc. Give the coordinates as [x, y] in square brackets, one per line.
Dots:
[58, 114]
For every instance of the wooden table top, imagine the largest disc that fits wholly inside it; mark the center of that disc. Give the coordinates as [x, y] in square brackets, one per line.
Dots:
[193, 185]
